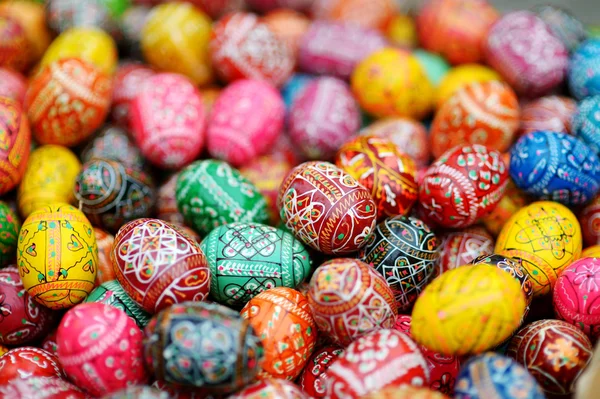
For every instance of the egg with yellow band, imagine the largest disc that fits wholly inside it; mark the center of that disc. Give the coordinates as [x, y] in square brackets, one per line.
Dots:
[460, 76]
[546, 237]
[468, 310]
[57, 256]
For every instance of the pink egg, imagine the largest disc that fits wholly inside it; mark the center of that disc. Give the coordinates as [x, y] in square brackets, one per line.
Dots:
[100, 348]
[127, 82]
[12, 85]
[322, 117]
[168, 120]
[245, 122]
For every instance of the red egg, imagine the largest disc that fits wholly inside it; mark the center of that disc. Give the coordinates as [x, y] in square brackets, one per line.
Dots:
[589, 218]
[14, 46]
[128, 82]
[271, 388]
[15, 141]
[552, 113]
[41, 387]
[12, 85]
[27, 362]
[460, 247]
[313, 379]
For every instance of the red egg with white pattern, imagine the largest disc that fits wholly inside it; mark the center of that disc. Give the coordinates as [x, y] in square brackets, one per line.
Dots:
[28, 362]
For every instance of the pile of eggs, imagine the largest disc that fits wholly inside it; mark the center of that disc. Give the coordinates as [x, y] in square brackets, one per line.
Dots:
[298, 199]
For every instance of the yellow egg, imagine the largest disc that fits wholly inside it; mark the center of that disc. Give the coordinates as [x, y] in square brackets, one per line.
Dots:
[89, 44]
[591, 252]
[49, 178]
[468, 310]
[461, 76]
[401, 30]
[57, 256]
[392, 82]
[546, 237]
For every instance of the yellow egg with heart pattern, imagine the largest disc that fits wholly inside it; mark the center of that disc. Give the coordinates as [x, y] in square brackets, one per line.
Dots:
[57, 256]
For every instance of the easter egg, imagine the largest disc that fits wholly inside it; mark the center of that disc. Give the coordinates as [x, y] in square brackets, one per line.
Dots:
[31, 16]
[485, 113]
[67, 101]
[203, 345]
[373, 14]
[537, 64]
[456, 29]
[57, 256]
[49, 178]
[166, 203]
[398, 362]
[389, 93]
[478, 298]
[404, 251]
[405, 392]
[241, 47]
[9, 232]
[563, 24]
[589, 219]
[23, 320]
[389, 174]
[462, 186]
[158, 265]
[545, 236]
[326, 208]
[461, 76]
[41, 387]
[14, 46]
[288, 26]
[322, 117]
[113, 143]
[168, 120]
[100, 348]
[127, 83]
[343, 293]
[112, 293]
[552, 113]
[496, 375]
[12, 85]
[584, 70]
[313, 380]
[246, 259]
[28, 362]
[512, 200]
[15, 139]
[334, 48]
[211, 193]
[175, 38]
[271, 389]
[435, 66]
[460, 247]
[112, 194]
[65, 14]
[246, 120]
[586, 122]
[554, 352]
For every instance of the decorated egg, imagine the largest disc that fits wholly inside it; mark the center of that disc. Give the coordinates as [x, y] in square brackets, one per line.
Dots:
[9, 232]
[288, 26]
[245, 122]
[462, 186]
[211, 193]
[342, 294]
[67, 101]
[31, 16]
[113, 143]
[405, 392]
[246, 259]
[564, 25]
[589, 218]
[373, 14]
[28, 362]
[584, 70]
[461, 247]
[478, 298]
[389, 93]
[112, 293]
[158, 265]
[12, 85]
[461, 76]
[456, 29]
[166, 203]
[127, 83]
[65, 14]
[326, 208]
[49, 343]
[512, 200]
[552, 113]
[554, 352]
[485, 113]
[591, 252]
[14, 46]
[271, 389]
[46, 387]
[435, 66]
[404, 251]
[586, 122]
[57, 256]
[313, 380]
[111, 194]
[15, 140]
[183, 342]
[398, 362]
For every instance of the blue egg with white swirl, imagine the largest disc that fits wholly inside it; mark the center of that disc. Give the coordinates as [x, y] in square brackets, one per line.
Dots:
[584, 70]
[586, 122]
[555, 166]
[491, 375]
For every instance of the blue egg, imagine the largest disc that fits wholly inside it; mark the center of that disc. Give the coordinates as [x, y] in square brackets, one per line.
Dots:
[292, 87]
[555, 166]
[586, 122]
[584, 70]
[491, 375]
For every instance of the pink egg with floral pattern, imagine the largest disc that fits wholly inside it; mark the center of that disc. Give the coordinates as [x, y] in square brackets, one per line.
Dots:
[127, 82]
[460, 247]
[245, 122]
[100, 348]
[12, 85]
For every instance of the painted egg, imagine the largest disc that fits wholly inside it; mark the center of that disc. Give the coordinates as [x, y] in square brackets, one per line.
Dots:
[591, 252]
[211, 193]
[373, 14]
[113, 143]
[244, 47]
[461, 76]
[313, 380]
[545, 236]
[478, 298]
[552, 113]
[112, 293]
[460, 247]
[343, 293]
[15, 140]
[564, 25]
[589, 218]
[334, 48]
[175, 38]
[23, 320]
[28, 362]
[31, 16]
[456, 29]
[282, 318]
[586, 122]
[512, 200]
[322, 117]
[12, 85]
[100, 348]
[462, 186]
[398, 362]
[49, 343]
[67, 101]
[65, 14]
[294, 86]
[9, 233]
[389, 93]
[111, 194]
[271, 389]
[404, 251]
[57, 256]
[139, 392]
[326, 208]
[405, 392]
[495, 375]
[127, 83]
[246, 259]
[436, 67]
[523, 50]
[166, 203]
[554, 352]
[14, 46]
[288, 26]
[203, 345]
[584, 70]
[158, 265]
[485, 113]
[389, 174]
[245, 121]
[41, 387]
